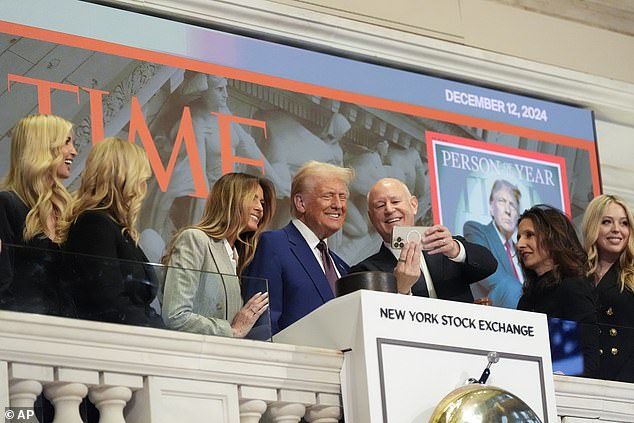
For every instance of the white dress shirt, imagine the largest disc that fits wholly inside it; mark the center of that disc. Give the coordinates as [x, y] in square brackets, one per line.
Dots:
[233, 255]
[312, 241]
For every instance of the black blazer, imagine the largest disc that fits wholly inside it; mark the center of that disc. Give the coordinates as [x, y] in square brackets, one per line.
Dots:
[451, 279]
[29, 271]
[111, 283]
[570, 299]
[615, 313]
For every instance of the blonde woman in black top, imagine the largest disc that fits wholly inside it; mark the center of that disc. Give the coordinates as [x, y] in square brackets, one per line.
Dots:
[34, 207]
[110, 281]
[606, 234]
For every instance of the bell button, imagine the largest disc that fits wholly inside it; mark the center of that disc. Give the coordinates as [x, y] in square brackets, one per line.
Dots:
[609, 311]
[613, 332]
[614, 351]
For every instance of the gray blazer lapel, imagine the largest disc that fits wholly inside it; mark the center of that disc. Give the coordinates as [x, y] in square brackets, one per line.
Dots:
[230, 282]
[220, 257]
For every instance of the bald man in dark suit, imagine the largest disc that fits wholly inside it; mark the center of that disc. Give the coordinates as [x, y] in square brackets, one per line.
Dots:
[446, 267]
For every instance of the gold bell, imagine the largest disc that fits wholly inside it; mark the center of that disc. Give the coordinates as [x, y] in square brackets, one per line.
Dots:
[476, 403]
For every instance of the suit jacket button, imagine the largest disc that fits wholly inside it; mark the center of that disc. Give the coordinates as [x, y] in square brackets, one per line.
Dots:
[614, 351]
[600, 351]
[609, 311]
[613, 332]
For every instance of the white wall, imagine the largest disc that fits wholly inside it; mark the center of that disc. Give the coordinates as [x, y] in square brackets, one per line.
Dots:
[502, 26]
[616, 155]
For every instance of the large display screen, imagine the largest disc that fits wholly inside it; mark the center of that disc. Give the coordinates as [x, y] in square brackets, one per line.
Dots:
[204, 102]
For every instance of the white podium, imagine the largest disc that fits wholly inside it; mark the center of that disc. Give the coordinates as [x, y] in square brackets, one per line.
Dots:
[403, 354]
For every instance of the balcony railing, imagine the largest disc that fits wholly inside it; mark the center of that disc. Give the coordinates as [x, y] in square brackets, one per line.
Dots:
[141, 375]
[159, 375]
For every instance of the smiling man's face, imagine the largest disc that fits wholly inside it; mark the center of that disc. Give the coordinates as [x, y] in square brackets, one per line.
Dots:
[390, 204]
[323, 205]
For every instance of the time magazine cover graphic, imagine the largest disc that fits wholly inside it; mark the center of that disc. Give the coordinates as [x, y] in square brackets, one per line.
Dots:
[479, 190]
[463, 171]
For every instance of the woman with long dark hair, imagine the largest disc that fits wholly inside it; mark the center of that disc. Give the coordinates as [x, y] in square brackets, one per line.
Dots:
[554, 264]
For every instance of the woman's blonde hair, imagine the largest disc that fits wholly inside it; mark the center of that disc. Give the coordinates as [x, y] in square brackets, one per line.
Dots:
[36, 154]
[590, 229]
[227, 211]
[114, 180]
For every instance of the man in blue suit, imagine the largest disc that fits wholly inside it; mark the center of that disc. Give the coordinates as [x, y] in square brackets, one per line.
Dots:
[295, 260]
[504, 287]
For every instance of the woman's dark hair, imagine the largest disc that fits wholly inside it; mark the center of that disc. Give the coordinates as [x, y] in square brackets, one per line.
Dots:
[556, 235]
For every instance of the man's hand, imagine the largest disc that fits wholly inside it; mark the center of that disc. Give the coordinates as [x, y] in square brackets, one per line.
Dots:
[407, 270]
[438, 239]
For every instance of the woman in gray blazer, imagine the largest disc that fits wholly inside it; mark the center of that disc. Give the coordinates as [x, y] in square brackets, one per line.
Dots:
[201, 290]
